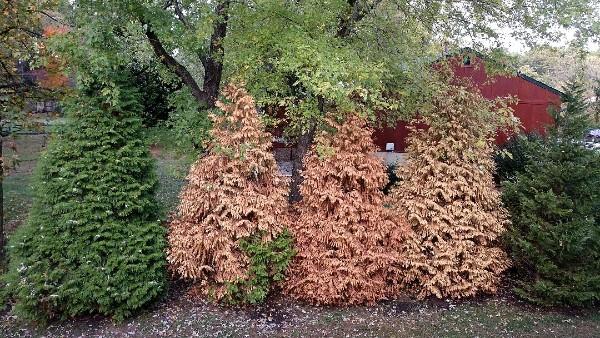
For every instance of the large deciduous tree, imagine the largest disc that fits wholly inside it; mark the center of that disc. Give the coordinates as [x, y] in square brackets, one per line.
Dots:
[235, 196]
[348, 243]
[305, 56]
[447, 193]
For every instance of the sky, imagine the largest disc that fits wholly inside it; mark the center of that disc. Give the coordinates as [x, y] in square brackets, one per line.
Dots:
[516, 46]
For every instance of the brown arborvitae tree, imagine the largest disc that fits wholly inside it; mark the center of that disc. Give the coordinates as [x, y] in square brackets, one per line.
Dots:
[447, 194]
[234, 193]
[347, 242]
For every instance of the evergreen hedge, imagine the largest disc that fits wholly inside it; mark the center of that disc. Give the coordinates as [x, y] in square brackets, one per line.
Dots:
[93, 242]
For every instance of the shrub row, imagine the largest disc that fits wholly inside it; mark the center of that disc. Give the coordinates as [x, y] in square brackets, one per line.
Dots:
[93, 242]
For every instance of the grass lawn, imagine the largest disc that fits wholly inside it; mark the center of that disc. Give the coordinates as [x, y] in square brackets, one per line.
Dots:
[177, 315]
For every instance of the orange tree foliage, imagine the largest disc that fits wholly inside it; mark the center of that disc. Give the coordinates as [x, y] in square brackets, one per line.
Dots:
[234, 193]
[346, 240]
[447, 194]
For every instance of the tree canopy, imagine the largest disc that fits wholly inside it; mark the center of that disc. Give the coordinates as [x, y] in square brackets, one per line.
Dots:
[302, 55]
[300, 59]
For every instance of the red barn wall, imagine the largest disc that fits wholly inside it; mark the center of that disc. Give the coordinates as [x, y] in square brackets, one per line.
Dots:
[534, 100]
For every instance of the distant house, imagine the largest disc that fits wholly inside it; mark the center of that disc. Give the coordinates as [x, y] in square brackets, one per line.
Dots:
[534, 101]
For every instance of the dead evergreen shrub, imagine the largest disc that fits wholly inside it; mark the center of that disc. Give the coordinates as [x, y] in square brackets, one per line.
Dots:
[229, 233]
[347, 241]
[447, 194]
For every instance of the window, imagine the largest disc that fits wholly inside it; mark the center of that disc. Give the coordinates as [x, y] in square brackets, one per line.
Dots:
[467, 61]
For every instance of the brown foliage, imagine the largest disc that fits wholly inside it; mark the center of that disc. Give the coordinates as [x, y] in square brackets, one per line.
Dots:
[233, 192]
[346, 240]
[447, 194]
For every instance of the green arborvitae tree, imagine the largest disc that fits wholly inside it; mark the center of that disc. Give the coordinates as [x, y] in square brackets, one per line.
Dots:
[554, 202]
[93, 242]
[554, 241]
[573, 120]
[515, 154]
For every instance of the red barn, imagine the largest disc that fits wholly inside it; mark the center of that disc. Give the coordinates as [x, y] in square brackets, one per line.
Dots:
[534, 100]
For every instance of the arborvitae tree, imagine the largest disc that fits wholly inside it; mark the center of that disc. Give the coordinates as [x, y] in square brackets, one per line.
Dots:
[347, 241]
[555, 210]
[555, 237]
[573, 120]
[516, 154]
[93, 242]
[229, 234]
[447, 194]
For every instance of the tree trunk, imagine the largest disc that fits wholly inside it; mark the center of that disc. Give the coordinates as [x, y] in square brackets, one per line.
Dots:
[302, 147]
[304, 142]
[213, 62]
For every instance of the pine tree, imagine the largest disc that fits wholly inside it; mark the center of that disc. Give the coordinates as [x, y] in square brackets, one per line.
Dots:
[447, 194]
[347, 241]
[93, 242]
[229, 234]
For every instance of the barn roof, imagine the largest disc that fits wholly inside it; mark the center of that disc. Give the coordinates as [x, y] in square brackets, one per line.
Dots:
[539, 83]
[469, 50]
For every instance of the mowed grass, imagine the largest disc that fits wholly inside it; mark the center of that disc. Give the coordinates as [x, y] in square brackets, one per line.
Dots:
[179, 316]
[18, 192]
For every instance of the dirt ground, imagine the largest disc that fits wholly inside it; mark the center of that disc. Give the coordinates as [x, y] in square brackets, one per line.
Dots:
[178, 315]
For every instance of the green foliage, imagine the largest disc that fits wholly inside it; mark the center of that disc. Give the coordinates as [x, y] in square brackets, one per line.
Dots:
[295, 56]
[189, 125]
[93, 242]
[573, 121]
[268, 263]
[307, 57]
[553, 195]
[154, 93]
[555, 237]
[515, 154]
[393, 178]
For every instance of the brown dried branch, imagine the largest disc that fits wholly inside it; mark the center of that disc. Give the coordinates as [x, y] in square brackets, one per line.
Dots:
[347, 241]
[448, 195]
[233, 192]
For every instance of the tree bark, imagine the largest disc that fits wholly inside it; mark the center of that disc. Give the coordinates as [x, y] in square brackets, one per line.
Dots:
[165, 58]
[304, 142]
[213, 62]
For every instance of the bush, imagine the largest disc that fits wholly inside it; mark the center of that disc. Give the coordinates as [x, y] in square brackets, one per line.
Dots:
[189, 124]
[228, 235]
[555, 237]
[93, 242]
[268, 263]
[447, 194]
[347, 241]
[555, 208]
